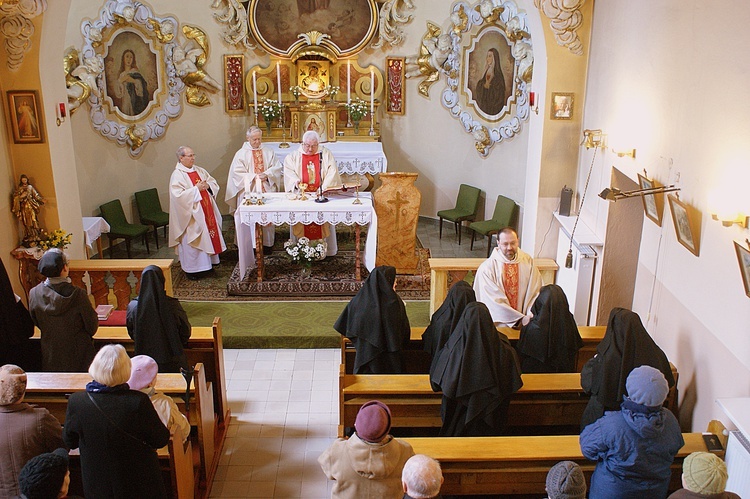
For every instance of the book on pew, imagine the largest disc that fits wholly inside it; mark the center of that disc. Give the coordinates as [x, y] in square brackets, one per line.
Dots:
[103, 311]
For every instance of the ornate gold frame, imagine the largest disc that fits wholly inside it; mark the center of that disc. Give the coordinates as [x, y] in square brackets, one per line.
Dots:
[565, 113]
[14, 98]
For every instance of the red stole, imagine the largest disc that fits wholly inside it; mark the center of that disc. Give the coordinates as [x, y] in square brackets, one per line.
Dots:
[510, 283]
[208, 214]
[259, 166]
[310, 175]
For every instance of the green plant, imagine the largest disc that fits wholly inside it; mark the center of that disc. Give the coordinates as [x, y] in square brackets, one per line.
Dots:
[357, 109]
[56, 239]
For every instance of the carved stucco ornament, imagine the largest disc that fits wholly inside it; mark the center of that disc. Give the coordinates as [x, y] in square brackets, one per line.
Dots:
[17, 28]
[392, 15]
[565, 18]
[189, 61]
[80, 79]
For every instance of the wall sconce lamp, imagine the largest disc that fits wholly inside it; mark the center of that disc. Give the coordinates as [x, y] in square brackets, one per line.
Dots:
[738, 219]
[613, 193]
[592, 138]
[627, 152]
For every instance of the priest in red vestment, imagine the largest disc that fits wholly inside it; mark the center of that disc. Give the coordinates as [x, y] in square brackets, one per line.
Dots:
[315, 166]
[507, 282]
[194, 217]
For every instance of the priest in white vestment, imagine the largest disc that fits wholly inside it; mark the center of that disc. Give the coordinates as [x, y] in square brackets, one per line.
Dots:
[255, 168]
[507, 282]
[194, 217]
[315, 166]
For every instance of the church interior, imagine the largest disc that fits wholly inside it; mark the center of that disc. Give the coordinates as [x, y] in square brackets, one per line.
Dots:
[596, 98]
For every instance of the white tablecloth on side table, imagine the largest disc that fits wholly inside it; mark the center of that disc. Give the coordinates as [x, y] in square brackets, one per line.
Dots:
[93, 228]
[279, 209]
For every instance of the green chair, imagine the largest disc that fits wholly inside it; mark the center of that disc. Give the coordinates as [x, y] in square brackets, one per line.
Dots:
[466, 209]
[505, 215]
[119, 228]
[150, 212]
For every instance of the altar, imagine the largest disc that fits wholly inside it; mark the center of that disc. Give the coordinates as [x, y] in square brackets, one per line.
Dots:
[351, 157]
[278, 209]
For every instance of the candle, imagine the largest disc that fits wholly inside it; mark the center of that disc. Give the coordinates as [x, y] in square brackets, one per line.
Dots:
[255, 96]
[372, 94]
[278, 81]
[348, 82]
[532, 97]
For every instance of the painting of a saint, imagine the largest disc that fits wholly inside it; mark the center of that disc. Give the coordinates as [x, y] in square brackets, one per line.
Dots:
[131, 74]
[489, 74]
[317, 124]
[349, 23]
[27, 123]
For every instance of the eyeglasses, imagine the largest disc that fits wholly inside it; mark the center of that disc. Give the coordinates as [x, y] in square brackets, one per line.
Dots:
[189, 155]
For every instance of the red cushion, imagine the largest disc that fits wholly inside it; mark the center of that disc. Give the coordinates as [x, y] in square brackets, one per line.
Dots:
[116, 318]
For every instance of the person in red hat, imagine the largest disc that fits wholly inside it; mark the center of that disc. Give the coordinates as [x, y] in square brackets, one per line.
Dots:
[370, 462]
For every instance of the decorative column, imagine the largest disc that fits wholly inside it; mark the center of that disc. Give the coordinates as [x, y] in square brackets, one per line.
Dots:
[397, 203]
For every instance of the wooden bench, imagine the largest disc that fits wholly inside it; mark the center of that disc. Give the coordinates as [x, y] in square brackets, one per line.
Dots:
[552, 403]
[444, 271]
[517, 465]
[417, 361]
[51, 390]
[205, 346]
[175, 460]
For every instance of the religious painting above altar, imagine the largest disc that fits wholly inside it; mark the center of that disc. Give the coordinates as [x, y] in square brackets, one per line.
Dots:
[486, 57]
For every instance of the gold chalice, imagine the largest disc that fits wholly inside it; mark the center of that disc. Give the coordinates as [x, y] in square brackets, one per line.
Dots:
[302, 189]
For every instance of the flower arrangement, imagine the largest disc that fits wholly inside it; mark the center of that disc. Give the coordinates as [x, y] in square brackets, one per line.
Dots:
[56, 239]
[357, 109]
[305, 251]
[296, 91]
[331, 91]
[269, 109]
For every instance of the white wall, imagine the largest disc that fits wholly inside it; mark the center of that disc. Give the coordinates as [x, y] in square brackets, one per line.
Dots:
[672, 88]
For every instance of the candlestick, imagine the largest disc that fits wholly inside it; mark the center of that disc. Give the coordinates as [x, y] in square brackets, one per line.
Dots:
[255, 97]
[278, 81]
[348, 82]
[372, 93]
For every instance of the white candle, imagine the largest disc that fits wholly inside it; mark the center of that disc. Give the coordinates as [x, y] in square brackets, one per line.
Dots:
[348, 82]
[372, 94]
[278, 81]
[255, 94]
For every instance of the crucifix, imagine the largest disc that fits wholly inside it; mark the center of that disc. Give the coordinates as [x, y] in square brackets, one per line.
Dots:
[397, 202]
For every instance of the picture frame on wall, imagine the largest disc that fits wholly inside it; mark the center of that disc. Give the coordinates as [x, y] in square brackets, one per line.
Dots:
[743, 258]
[562, 106]
[26, 120]
[395, 92]
[234, 88]
[686, 224]
[653, 204]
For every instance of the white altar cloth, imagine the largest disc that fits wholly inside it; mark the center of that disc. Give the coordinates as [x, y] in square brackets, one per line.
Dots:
[351, 157]
[93, 228]
[279, 209]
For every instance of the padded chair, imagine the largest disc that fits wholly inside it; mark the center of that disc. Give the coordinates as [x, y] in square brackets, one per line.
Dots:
[505, 215]
[150, 212]
[466, 209]
[119, 228]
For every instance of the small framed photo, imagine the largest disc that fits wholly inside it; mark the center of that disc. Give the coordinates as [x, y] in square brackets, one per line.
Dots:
[743, 258]
[25, 118]
[686, 224]
[562, 106]
[653, 204]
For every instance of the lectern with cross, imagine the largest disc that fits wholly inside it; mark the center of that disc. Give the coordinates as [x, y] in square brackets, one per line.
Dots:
[397, 204]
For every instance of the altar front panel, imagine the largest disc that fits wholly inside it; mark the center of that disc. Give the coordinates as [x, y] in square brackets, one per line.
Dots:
[351, 157]
[279, 209]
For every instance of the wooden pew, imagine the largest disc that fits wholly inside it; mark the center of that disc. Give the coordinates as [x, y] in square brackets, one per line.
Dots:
[51, 390]
[517, 465]
[545, 402]
[175, 460]
[205, 346]
[443, 270]
[417, 361]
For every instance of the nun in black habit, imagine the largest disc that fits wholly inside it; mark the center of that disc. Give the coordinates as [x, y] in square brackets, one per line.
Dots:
[446, 317]
[625, 346]
[158, 324]
[550, 341]
[16, 327]
[376, 323]
[477, 371]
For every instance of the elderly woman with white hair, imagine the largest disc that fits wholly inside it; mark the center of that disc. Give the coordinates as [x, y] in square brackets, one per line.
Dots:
[421, 478]
[117, 431]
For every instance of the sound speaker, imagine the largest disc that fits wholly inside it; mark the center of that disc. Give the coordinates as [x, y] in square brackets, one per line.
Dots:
[566, 198]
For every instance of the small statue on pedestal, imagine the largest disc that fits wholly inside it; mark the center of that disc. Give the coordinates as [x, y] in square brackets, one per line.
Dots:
[26, 205]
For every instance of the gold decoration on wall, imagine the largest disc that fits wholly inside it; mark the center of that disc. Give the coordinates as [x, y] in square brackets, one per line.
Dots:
[189, 62]
[392, 17]
[489, 12]
[433, 54]
[80, 79]
[17, 28]
[565, 19]
[164, 31]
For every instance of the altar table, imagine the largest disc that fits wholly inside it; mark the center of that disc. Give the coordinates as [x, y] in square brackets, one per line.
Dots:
[279, 209]
[351, 157]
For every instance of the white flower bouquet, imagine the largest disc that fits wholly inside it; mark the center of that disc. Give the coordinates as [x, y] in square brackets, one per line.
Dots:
[269, 109]
[357, 109]
[305, 251]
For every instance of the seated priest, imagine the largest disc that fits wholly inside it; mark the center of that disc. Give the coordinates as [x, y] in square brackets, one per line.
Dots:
[507, 282]
[312, 165]
[550, 342]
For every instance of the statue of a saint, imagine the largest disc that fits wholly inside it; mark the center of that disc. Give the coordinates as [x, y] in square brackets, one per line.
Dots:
[26, 205]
